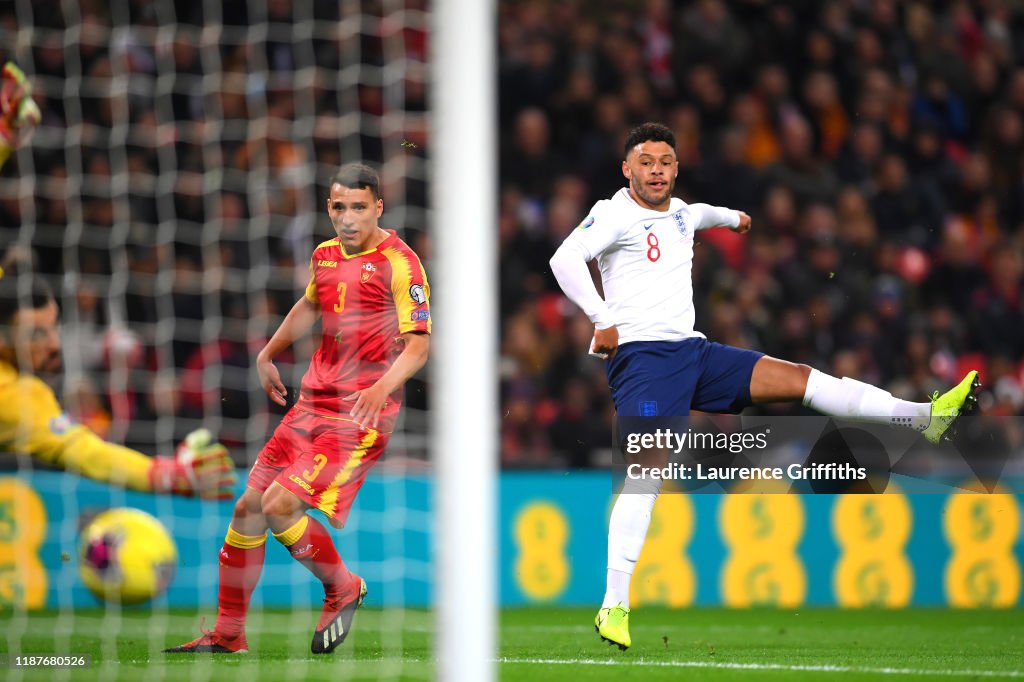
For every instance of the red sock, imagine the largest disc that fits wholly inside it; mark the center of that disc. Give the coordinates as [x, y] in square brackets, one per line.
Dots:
[311, 545]
[241, 562]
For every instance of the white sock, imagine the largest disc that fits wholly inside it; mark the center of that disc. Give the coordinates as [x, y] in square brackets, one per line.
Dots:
[854, 399]
[627, 529]
[617, 589]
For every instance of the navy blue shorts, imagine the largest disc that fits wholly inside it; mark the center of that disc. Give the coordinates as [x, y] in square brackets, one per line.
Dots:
[669, 378]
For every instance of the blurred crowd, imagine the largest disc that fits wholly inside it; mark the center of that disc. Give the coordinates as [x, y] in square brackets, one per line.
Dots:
[878, 146]
[175, 188]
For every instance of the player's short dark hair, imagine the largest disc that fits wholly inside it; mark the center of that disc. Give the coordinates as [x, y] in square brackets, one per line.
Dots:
[358, 176]
[21, 292]
[648, 132]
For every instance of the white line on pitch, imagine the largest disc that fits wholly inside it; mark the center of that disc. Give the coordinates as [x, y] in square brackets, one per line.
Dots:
[590, 628]
[768, 666]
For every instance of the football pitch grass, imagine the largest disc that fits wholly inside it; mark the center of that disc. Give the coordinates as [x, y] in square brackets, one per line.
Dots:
[541, 644]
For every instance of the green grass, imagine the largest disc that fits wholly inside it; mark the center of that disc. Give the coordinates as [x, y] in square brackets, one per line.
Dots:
[542, 644]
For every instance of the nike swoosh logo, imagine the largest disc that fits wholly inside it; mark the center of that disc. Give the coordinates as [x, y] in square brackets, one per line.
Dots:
[647, 227]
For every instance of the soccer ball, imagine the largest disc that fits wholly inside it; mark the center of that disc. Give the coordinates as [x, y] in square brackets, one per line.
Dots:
[125, 556]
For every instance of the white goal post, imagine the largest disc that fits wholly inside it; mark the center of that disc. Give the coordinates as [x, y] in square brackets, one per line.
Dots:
[464, 400]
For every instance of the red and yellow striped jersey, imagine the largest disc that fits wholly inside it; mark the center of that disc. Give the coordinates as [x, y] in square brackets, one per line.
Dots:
[368, 300]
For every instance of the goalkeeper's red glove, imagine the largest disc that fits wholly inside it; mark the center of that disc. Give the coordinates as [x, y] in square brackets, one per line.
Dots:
[19, 114]
[200, 467]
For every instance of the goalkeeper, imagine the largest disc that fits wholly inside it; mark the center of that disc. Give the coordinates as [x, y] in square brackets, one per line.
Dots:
[31, 420]
[19, 114]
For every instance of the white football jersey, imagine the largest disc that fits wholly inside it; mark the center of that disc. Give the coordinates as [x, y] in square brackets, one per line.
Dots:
[645, 258]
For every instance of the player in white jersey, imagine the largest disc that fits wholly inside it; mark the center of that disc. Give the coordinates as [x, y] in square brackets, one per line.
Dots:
[658, 365]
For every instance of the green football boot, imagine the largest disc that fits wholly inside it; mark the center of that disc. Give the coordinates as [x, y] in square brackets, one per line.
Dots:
[949, 406]
[613, 626]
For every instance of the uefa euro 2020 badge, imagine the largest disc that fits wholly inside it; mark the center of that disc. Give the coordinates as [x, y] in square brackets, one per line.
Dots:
[587, 222]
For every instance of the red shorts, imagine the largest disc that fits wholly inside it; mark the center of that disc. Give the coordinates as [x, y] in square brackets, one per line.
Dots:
[321, 461]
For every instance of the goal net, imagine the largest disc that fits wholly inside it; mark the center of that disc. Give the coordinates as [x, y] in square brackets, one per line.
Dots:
[172, 197]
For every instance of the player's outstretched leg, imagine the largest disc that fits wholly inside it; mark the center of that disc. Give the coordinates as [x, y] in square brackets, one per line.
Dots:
[950, 406]
[854, 399]
[612, 624]
[336, 620]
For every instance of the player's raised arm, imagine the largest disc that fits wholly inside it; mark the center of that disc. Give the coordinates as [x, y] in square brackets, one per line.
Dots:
[200, 466]
[31, 422]
[708, 216]
[296, 323]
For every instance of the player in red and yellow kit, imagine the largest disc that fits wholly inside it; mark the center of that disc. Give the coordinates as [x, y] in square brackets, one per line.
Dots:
[372, 293]
[32, 422]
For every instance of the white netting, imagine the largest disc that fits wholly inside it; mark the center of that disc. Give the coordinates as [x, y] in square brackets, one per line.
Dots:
[173, 195]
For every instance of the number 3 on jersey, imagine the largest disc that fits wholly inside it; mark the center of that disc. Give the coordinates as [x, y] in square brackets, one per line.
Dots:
[340, 305]
[319, 460]
[653, 252]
